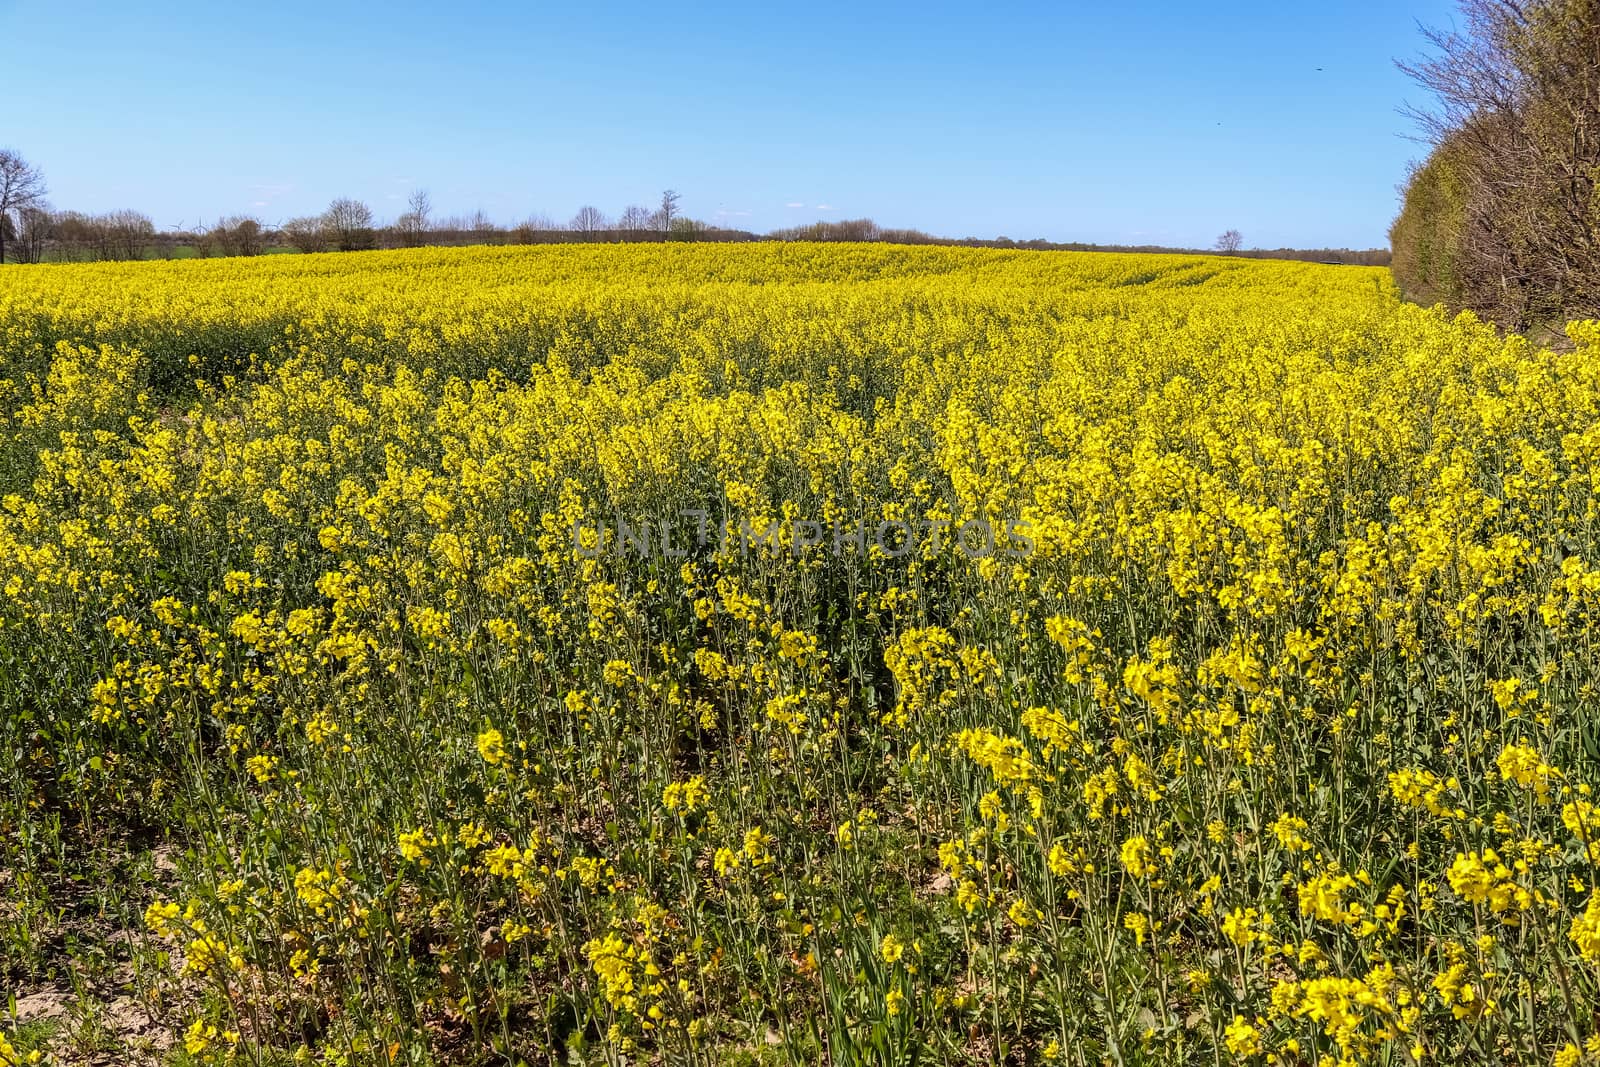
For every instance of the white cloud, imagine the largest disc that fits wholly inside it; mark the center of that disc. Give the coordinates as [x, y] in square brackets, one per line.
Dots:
[824, 207]
[794, 203]
[732, 214]
[258, 203]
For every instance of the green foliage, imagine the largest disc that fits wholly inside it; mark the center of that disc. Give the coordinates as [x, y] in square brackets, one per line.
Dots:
[1427, 236]
[1502, 218]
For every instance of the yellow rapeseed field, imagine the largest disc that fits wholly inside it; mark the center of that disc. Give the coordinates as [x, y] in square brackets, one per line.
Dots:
[793, 654]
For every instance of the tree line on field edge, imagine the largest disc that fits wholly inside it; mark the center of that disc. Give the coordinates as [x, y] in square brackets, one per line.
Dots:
[1503, 216]
[32, 232]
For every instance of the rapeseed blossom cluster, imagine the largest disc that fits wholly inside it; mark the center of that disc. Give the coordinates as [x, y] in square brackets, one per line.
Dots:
[1274, 748]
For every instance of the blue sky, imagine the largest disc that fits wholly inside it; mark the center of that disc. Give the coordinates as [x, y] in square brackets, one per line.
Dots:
[1136, 122]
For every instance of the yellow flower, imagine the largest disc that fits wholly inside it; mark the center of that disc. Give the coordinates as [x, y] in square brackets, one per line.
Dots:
[1582, 822]
[757, 846]
[685, 797]
[198, 1037]
[247, 628]
[159, 916]
[414, 845]
[992, 808]
[1484, 879]
[1418, 788]
[1585, 930]
[504, 861]
[1521, 763]
[492, 747]
[1022, 914]
[1290, 832]
[315, 888]
[891, 948]
[320, 729]
[1242, 1038]
[1322, 898]
[1243, 926]
[1138, 858]
[262, 768]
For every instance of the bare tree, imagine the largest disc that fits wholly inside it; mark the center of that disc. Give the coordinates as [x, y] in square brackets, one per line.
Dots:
[1472, 71]
[125, 234]
[531, 230]
[484, 230]
[684, 228]
[420, 204]
[413, 226]
[249, 236]
[305, 234]
[588, 222]
[348, 224]
[633, 220]
[205, 241]
[1505, 216]
[668, 212]
[32, 227]
[21, 186]
[1229, 242]
[240, 235]
[73, 235]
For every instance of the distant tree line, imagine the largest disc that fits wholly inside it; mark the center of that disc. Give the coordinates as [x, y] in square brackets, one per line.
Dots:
[853, 230]
[1503, 216]
[31, 232]
[348, 225]
[1353, 257]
